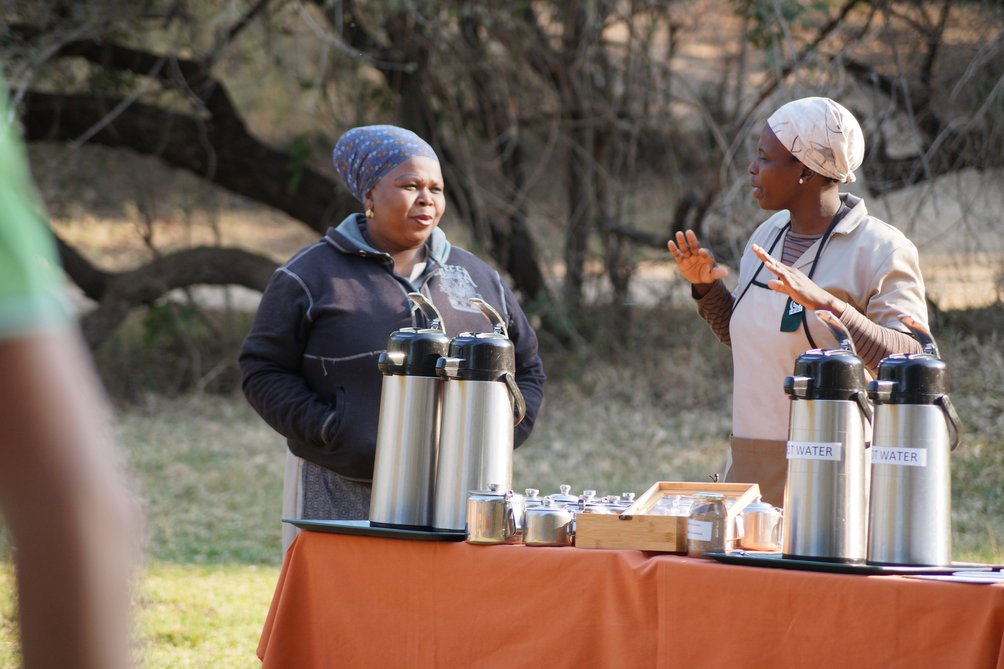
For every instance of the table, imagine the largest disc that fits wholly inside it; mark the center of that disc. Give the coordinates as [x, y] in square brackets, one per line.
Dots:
[358, 601]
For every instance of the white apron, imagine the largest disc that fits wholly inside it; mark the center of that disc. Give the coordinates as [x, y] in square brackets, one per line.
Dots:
[762, 356]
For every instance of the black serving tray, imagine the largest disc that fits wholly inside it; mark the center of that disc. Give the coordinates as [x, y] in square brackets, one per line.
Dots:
[363, 528]
[777, 561]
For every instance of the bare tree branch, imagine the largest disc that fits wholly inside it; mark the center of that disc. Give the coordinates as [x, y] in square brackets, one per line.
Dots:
[143, 286]
[245, 165]
[231, 34]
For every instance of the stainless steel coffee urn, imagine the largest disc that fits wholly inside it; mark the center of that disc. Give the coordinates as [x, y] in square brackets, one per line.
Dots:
[408, 429]
[916, 428]
[825, 494]
[476, 439]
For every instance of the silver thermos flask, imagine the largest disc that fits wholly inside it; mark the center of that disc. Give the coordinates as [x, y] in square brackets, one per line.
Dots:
[404, 468]
[481, 406]
[825, 491]
[916, 428]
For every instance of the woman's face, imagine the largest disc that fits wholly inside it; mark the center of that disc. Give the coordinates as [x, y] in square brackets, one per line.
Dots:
[407, 204]
[774, 173]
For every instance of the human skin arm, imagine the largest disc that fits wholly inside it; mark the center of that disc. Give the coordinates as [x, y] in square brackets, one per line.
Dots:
[796, 285]
[872, 341]
[696, 263]
[66, 504]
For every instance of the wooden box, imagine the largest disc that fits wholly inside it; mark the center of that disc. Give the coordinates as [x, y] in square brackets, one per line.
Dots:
[638, 529]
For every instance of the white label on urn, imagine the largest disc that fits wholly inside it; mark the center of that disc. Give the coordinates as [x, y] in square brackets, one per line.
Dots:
[698, 530]
[813, 450]
[890, 455]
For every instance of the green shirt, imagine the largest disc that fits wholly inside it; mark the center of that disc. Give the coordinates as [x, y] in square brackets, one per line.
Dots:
[31, 281]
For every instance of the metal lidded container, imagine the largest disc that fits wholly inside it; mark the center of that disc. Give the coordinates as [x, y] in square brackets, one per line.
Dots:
[481, 406]
[549, 524]
[825, 490]
[408, 429]
[491, 516]
[761, 526]
[916, 428]
[564, 495]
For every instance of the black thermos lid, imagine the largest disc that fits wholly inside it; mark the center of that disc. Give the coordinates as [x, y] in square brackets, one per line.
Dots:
[482, 356]
[413, 352]
[918, 378]
[835, 374]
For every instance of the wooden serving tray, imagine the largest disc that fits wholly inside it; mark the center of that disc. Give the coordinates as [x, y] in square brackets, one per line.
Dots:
[636, 528]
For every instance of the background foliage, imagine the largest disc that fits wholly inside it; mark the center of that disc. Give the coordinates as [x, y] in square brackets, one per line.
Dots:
[575, 136]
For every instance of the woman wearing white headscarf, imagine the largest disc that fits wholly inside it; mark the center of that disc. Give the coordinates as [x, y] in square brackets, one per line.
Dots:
[821, 250]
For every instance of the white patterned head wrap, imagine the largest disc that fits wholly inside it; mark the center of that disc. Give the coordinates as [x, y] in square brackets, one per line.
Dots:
[822, 135]
[363, 155]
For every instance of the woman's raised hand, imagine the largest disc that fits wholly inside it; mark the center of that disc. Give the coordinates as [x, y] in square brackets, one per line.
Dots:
[697, 264]
[796, 285]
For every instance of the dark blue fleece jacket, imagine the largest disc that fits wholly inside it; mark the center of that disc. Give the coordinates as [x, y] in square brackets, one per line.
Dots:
[309, 362]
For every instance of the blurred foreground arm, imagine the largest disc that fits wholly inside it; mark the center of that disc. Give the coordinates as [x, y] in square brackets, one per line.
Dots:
[62, 494]
[66, 506]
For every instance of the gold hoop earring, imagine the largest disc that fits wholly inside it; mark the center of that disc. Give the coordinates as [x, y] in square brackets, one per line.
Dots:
[370, 213]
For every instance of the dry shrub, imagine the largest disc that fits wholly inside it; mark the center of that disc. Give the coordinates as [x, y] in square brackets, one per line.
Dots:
[649, 401]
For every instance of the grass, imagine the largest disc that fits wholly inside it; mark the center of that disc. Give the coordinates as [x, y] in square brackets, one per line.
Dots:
[209, 472]
[202, 616]
[187, 616]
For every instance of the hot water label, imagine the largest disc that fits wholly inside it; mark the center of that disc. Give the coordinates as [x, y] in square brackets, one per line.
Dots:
[813, 450]
[889, 455]
[698, 530]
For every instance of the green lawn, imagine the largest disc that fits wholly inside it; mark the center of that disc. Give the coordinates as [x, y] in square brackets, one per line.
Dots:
[202, 616]
[187, 616]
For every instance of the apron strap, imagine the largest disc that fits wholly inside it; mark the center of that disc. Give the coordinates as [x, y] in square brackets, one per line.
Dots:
[841, 212]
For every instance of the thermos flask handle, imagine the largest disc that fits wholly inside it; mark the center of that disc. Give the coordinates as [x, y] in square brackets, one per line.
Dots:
[517, 397]
[921, 334]
[429, 309]
[861, 397]
[838, 329]
[498, 323]
[954, 424]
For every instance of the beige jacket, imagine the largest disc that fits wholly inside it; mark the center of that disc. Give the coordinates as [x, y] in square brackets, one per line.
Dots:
[867, 263]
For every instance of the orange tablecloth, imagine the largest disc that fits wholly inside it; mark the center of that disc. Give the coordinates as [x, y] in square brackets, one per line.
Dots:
[372, 602]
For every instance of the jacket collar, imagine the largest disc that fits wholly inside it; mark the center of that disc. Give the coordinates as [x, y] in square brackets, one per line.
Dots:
[348, 237]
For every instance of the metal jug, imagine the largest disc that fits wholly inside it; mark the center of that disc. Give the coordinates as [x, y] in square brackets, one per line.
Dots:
[478, 417]
[549, 524]
[825, 492]
[760, 525]
[491, 516]
[916, 428]
[404, 469]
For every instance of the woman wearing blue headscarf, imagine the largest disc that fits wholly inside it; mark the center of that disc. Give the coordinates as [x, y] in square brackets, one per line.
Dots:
[310, 360]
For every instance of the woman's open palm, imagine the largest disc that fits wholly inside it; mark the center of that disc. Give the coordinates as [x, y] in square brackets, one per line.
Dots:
[697, 264]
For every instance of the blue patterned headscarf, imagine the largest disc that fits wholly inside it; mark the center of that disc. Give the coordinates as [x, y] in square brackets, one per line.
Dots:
[365, 154]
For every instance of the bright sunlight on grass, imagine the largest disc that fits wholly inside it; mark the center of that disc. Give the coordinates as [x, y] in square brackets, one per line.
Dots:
[202, 616]
[187, 616]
